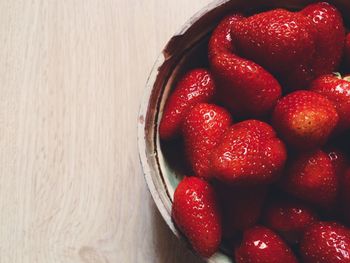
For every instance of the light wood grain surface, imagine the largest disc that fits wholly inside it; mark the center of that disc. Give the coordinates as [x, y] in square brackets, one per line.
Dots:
[72, 75]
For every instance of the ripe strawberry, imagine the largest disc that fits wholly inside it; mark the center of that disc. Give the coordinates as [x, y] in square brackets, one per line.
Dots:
[289, 219]
[244, 87]
[241, 207]
[202, 129]
[196, 213]
[221, 41]
[261, 245]
[304, 119]
[337, 90]
[347, 50]
[329, 38]
[249, 153]
[345, 195]
[296, 46]
[278, 40]
[326, 242]
[195, 87]
[311, 177]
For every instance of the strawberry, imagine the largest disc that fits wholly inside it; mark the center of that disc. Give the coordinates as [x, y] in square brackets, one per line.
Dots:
[248, 153]
[202, 129]
[261, 245]
[243, 86]
[195, 87]
[288, 218]
[345, 196]
[296, 46]
[241, 207]
[329, 38]
[347, 50]
[337, 90]
[221, 41]
[278, 40]
[311, 177]
[326, 242]
[196, 213]
[305, 119]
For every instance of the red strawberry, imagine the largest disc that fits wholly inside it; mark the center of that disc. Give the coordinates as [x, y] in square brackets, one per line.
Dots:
[249, 153]
[337, 90]
[288, 218]
[297, 46]
[347, 50]
[278, 40]
[221, 41]
[241, 207]
[195, 87]
[329, 38]
[244, 87]
[203, 127]
[305, 119]
[345, 195]
[261, 245]
[196, 213]
[326, 242]
[311, 177]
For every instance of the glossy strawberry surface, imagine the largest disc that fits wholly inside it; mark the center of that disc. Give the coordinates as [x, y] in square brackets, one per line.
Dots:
[311, 177]
[196, 86]
[305, 119]
[249, 153]
[289, 218]
[221, 40]
[244, 87]
[326, 242]
[262, 245]
[196, 212]
[279, 40]
[295, 46]
[329, 38]
[202, 129]
[337, 90]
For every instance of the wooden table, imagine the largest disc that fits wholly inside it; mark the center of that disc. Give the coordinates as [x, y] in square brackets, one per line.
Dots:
[72, 75]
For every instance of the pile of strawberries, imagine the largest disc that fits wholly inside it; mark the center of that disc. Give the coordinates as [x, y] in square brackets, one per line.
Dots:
[265, 131]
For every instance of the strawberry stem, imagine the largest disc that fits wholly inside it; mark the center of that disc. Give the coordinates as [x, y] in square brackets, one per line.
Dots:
[347, 78]
[337, 75]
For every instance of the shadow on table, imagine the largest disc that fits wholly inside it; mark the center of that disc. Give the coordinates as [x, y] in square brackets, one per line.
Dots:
[170, 249]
